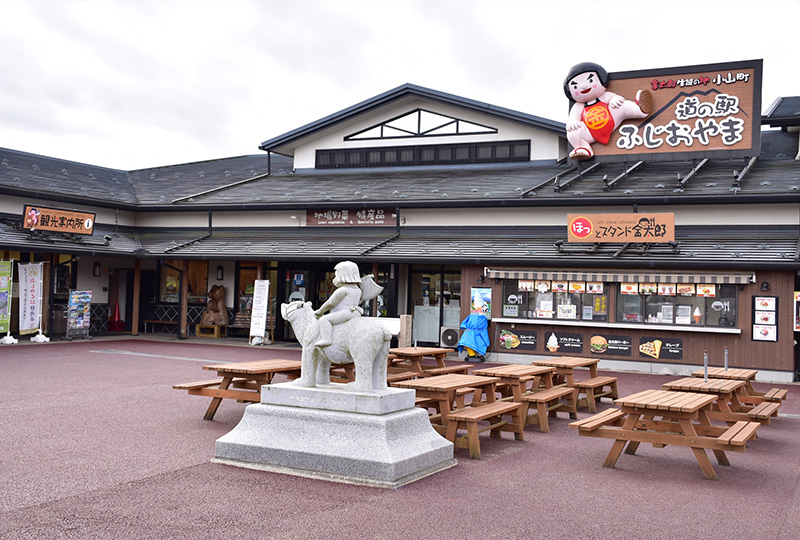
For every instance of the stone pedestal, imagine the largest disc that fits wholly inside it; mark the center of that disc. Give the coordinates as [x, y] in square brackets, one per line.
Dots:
[372, 438]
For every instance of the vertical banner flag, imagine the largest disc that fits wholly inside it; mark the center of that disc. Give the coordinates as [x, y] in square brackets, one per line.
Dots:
[5, 296]
[258, 316]
[30, 297]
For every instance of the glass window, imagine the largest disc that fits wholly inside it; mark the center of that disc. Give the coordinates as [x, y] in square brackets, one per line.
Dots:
[681, 309]
[567, 305]
[595, 307]
[196, 276]
[659, 309]
[629, 308]
[521, 300]
[721, 311]
[65, 278]
[247, 282]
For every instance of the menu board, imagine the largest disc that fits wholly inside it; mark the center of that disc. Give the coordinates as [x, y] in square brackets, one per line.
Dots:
[79, 313]
[258, 315]
[765, 323]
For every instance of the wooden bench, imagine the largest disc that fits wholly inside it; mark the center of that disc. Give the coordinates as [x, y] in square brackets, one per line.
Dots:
[776, 394]
[394, 376]
[593, 389]
[431, 371]
[469, 417]
[154, 322]
[733, 438]
[548, 402]
[196, 385]
[609, 417]
[241, 323]
[240, 389]
[764, 411]
[738, 434]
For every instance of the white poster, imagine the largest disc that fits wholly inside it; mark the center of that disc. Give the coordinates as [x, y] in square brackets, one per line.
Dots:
[258, 316]
[30, 297]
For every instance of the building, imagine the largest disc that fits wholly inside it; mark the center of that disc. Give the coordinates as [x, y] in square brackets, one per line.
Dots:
[445, 200]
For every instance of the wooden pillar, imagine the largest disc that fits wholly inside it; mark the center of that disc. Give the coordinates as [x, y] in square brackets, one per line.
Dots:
[184, 300]
[47, 306]
[137, 284]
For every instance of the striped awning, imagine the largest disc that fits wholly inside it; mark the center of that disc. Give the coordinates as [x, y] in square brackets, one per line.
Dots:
[722, 278]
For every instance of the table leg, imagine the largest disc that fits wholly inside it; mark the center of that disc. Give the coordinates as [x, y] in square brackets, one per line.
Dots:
[215, 402]
[570, 376]
[699, 453]
[633, 446]
[619, 444]
[440, 360]
[722, 457]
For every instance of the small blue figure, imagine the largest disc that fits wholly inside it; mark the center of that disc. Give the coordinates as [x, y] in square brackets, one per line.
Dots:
[475, 338]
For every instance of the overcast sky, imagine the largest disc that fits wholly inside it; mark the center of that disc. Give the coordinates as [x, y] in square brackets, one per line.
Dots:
[131, 84]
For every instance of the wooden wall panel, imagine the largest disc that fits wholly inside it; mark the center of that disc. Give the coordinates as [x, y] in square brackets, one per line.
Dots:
[743, 352]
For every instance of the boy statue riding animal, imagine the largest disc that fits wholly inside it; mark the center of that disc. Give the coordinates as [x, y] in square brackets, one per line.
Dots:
[336, 333]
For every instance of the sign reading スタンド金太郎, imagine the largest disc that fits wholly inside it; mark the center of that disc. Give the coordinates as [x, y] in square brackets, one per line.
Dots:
[41, 218]
[651, 228]
[665, 114]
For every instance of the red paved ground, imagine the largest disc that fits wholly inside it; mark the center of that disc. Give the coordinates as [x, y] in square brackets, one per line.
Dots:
[97, 445]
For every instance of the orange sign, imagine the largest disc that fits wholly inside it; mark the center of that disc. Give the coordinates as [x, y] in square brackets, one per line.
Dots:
[652, 228]
[41, 218]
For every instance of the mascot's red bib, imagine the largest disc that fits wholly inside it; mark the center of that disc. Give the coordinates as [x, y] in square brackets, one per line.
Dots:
[598, 119]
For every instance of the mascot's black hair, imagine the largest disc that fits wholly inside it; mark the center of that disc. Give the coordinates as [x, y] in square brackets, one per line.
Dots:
[583, 67]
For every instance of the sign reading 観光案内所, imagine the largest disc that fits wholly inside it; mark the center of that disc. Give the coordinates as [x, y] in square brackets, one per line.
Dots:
[651, 228]
[41, 218]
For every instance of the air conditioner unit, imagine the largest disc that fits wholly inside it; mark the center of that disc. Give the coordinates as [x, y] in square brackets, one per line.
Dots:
[448, 336]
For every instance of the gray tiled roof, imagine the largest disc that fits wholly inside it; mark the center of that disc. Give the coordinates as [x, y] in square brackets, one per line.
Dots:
[711, 247]
[48, 177]
[527, 184]
[32, 175]
[784, 112]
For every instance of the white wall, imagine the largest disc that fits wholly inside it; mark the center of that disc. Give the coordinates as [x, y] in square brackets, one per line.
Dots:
[544, 145]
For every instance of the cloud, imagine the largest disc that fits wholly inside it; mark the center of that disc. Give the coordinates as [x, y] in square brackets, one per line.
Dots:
[139, 83]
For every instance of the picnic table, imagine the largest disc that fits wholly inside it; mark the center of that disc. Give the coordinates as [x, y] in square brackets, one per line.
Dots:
[593, 388]
[413, 359]
[565, 367]
[516, 378]
[664, 417]
[442, 390]
[541, 395]
[728, 407]
[241, 381]
[751, 395]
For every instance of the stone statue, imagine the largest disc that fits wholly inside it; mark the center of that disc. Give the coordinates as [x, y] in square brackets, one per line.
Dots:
[216, 312]
[343, 305]
[341, 336]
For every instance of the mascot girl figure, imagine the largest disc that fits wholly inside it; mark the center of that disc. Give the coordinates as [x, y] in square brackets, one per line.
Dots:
[596, 112]
[343, 304]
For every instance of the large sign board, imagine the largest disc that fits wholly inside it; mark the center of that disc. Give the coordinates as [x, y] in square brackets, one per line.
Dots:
[41, 218]
[350, 217]
[615, 228]
[711, 110]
